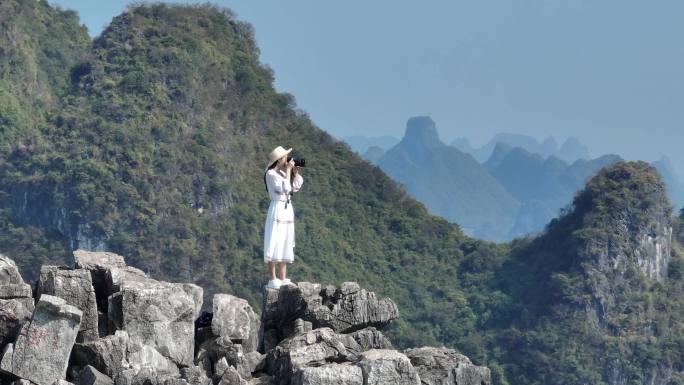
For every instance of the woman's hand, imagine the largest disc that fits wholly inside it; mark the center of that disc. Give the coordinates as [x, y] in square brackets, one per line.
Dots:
[290, 165]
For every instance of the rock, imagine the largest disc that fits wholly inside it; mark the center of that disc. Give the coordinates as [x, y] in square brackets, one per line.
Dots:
[331, 374]
[147, 376]
[128, 276]
[9, 273]
[147, 358]
[220, 367]
[344, 309]
[76, 288]
[231, 377]
[160, 316]
[441, 366]
[371, 338]
[18, 290]
[97, 260]
[91, 376]
[315, 348]
[381, 366]
[42, 350]
[16, 302]
[22, 382]
[234, 318]
[14, 313]
[62, 382]
[98, 263]
[6, 360]
[249, 363]
[195, 375]
[108, 354]
[263, 380]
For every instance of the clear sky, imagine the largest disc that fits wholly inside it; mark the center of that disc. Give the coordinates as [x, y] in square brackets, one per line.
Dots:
[609, 72]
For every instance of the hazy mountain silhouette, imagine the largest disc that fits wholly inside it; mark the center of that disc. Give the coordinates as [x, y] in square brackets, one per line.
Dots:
[449, 182]
[570, 151]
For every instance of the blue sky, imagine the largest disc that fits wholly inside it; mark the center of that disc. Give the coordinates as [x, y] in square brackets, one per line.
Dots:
[609, 72]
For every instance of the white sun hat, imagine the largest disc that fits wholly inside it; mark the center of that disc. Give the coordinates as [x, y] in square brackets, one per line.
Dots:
[276, 154]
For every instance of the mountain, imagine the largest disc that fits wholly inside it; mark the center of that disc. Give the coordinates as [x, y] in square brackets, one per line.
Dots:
[449, 182]
[362, 144]
[570, 151]
[40, 44]
[597, 298]
[156, 148]
[374, 154]
[543, 186]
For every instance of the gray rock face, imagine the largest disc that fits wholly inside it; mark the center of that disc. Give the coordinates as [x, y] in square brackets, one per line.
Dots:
[161, 316]
[91, 376]
[315, 348]
[76, 288]
[381, 366]
[231, 376]
[330, 374]
[345, 309]
[14, 313]
[99, 264]
[371, 338]
[441, 366]
[108, 354]
[235, 319]
[16, 302]
[9, 273]
[42, 350]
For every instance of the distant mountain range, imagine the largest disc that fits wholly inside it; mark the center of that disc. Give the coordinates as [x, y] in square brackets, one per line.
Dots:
[362, 144]
[449, 182]
[512, 186]
[570, 151]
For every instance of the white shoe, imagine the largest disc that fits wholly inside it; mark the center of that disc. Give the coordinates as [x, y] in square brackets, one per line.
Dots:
[274, 284]
[287, 281]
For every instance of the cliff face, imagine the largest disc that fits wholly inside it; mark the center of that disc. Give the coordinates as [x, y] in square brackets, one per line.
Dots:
[626, 236]
[601, 274]
[104, 322]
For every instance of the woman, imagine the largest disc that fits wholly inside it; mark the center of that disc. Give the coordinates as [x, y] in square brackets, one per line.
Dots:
[282, 178]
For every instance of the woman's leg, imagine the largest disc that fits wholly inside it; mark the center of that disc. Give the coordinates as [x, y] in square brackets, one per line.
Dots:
[283, 270]
[272, 268]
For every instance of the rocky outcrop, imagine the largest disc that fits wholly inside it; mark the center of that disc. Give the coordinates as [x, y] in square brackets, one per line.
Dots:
[105, 323]
[41, 352]
[441, 366]
[311, 305]
[16, 303]
[76, 288]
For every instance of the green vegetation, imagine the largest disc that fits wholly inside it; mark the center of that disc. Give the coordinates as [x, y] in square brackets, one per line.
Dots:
[154, 144]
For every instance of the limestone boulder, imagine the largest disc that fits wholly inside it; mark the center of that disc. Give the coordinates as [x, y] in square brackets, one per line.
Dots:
[92, 376]
[234, 318]
[345, 309]
[315, 348]
[371, 338]
[76, 288]
[41, 352]
[382, 366]
[330, 374]
[16, 302]
[442, 366]
[107, 355]
[14, 313]
[160, 316]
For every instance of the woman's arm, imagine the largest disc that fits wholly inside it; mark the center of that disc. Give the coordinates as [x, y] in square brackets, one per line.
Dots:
[297, 181]
[276, 182]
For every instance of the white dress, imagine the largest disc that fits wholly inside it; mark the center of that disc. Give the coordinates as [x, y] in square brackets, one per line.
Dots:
[279, 230]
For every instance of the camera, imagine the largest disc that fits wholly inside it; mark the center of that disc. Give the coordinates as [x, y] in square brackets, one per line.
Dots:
[299, 162]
